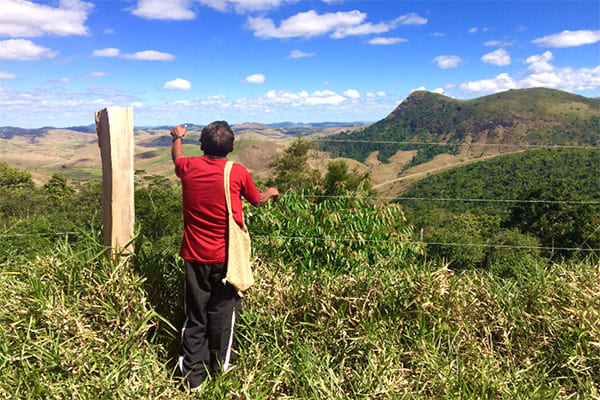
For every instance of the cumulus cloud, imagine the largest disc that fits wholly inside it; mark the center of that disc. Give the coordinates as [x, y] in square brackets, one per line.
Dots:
[300, 54]
[447, 62]
[178, 84]
[498, 43]
[386, 40]
[95, 74]
[6, 76]
[411, 19]
[164, 9]
[338, 25]
[351, 94]
[569, 39]
[244, 5]
[151, 55]
[540, 73]
[540, 63]
[498, 57]
[255, 78]
[500, 83]
[183, 9]
[24, 50]
[21, 18]
[109, 52]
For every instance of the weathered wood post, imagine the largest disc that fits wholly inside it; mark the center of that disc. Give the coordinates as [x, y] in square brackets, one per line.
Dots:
[114, 126]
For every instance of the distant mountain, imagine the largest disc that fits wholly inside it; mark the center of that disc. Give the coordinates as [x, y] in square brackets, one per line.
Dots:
[525, 117]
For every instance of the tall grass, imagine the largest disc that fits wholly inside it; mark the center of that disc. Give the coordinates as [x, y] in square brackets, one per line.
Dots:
[75, 325]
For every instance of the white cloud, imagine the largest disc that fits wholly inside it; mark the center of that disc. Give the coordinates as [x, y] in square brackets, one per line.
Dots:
[109, 52]
[447, 62]
[23, 50]
[477, 29]
[386, 41]
[540, 63]
[6, 76]
[164, 9]
[300, 54]
[109, 31]
[338, 25]
[255, 78]
[537, 58]
[351, 94]
[325, 97]
[569, 39]
[20, 18]
[498, 84]
[95, 74]
[150, 55]
[244, 5]
[411, 19]
[540, 73]
[178, 84]
[498, 57]
[498, 43]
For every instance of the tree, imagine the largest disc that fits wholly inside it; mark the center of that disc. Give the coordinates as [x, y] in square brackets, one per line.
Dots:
[558, 217]
[57, 188]
[292, 171]
[338, 180]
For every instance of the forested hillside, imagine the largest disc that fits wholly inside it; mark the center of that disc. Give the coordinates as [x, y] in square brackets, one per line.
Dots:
[515, 117]
[505, 177]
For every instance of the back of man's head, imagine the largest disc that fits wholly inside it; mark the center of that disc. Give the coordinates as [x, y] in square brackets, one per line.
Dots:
[217, 139]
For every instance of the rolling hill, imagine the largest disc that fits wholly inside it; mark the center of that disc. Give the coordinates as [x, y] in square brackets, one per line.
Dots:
[426, 134]
[489, 125]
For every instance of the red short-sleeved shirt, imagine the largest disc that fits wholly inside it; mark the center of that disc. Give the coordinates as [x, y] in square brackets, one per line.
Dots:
[204, 206]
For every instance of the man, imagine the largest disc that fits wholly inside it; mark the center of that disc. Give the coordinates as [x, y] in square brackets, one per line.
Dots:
[211, 306]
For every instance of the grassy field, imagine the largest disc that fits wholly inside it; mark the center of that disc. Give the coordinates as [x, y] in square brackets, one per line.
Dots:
[74, 325]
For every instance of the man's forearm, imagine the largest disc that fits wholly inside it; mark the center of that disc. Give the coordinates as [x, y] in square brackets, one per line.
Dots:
[177, 133]
[177, 149]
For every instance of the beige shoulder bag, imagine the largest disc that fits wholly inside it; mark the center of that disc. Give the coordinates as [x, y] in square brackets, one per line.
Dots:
[239, 270]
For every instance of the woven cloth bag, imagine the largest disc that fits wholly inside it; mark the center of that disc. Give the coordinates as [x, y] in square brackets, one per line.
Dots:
[239, 270]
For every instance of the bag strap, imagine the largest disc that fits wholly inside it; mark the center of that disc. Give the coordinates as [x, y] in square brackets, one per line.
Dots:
[226, 176]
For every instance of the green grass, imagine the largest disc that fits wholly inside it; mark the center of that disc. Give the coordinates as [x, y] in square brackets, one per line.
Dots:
[74, 325]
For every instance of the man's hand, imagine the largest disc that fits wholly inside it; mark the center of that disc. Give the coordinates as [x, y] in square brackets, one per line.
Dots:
[179, 131]
[270, 193]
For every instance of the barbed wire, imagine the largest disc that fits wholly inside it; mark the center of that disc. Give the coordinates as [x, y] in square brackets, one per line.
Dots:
[348, 239]
[38, 234]
[421, 243]
[524, 145]
[400, 198]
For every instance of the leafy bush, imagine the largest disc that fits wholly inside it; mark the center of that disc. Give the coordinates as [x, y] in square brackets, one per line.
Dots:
[335, 234]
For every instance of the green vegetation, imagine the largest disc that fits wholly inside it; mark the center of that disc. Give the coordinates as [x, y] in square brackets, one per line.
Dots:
[529, 116]
[549, 196]
[348, 303]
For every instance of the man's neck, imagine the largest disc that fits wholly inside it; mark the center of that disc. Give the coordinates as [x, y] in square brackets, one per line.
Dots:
[215, 157]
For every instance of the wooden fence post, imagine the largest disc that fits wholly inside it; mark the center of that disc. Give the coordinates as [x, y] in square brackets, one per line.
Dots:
[114, 126]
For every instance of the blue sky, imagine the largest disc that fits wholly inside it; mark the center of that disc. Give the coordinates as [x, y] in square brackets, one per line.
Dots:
[177, 61]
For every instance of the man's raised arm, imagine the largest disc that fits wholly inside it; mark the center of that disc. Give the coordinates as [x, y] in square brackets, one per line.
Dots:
[177, 133]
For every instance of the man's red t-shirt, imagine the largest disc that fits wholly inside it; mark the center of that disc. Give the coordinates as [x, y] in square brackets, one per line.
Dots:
[204, 206]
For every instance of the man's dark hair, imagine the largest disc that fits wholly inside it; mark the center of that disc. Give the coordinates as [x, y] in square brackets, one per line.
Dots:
[217, 139]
